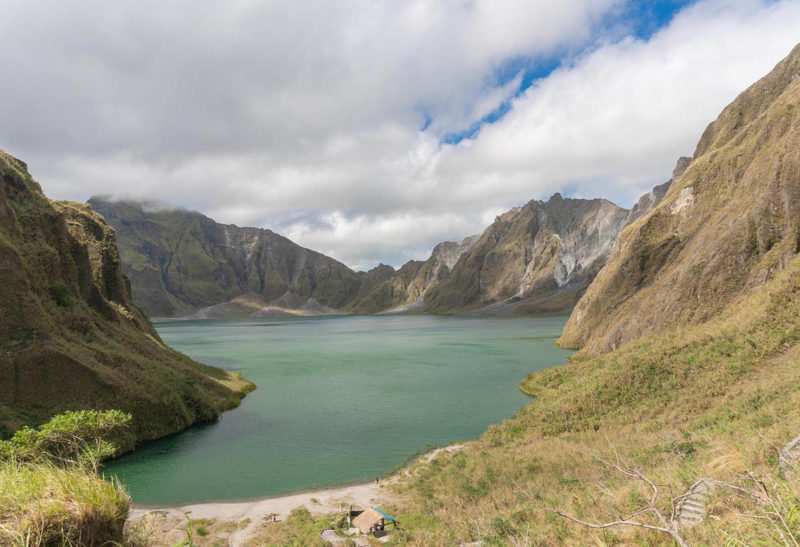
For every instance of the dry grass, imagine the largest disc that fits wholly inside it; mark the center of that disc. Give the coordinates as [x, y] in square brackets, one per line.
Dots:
[43, 504]
[301, 528]
[713, 401]
[671, 269]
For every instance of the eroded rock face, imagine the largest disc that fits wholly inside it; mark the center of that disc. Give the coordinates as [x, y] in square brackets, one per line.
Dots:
[728, 223]
[546, 251]
[536, 258]
[70, 334]
[650, 200]
[181, 261]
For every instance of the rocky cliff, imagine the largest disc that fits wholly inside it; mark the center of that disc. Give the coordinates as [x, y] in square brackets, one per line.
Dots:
[650, 200]
[70, 334]
[728, 224]
[181, 262]
[538, 257]
[407, 288]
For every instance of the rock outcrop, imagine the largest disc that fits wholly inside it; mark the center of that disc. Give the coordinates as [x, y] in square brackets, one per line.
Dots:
[650, 200]
[728, 224]
[538, 257]
[70, 335]
[406, 289]
[181, 261]
[183, 264]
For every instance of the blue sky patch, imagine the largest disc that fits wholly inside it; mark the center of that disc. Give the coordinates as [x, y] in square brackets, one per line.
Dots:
[641, 19]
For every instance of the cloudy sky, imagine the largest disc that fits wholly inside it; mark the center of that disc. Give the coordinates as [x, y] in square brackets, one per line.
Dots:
[372, 129]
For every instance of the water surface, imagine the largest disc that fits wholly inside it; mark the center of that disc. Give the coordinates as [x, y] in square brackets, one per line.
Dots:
[339, 399]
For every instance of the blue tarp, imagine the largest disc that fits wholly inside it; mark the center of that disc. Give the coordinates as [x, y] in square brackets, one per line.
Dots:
[390, 519]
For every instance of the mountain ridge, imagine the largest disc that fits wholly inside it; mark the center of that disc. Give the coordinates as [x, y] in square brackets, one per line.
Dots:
[183, 264]
[740, 191]
[72, 337]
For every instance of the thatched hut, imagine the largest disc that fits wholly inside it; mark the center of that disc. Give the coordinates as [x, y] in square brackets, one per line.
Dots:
[372, 520]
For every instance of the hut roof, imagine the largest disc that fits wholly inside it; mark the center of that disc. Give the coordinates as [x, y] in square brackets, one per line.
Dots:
[370, 517]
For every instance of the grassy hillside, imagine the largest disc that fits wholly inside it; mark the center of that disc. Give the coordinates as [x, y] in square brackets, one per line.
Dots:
[48, 505]
[689, 372]
[729, 223]
[50, 493]
[713, 401]
[70, 334]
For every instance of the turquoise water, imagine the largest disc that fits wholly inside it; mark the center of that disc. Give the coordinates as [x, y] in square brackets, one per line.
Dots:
[339, 399]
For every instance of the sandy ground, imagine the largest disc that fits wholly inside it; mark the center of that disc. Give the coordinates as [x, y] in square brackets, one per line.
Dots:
[323, 501]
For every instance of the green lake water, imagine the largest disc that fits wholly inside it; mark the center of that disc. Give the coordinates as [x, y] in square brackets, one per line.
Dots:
[339, 399]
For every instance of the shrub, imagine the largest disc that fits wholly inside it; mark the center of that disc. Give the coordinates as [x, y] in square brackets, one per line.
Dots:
[50, 493]
[61, 295]
[73, 438]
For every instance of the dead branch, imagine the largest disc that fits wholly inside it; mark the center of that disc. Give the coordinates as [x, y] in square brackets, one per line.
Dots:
[634, 523]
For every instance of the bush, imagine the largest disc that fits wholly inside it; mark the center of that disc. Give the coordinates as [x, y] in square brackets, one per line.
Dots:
[73, 438]
[50, 493]
[61, 295]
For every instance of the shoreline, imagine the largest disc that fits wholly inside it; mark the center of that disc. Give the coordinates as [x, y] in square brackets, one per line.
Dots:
[317, 501]
[179, 509]
[137, 510]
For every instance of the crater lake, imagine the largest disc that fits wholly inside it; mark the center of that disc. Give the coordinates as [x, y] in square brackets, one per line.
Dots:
[339, 399]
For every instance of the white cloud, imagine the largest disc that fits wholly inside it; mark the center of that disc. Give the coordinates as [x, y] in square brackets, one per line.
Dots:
[305, 116]
[613, 123]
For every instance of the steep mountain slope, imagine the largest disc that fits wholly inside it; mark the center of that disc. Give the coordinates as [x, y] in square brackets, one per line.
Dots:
[70, 335]
[699, 305]
[535, 258]
[650, 200]
[712, 400]
[728, 224]
[624, 436]
[180, 261]
[405, 289]
[541, 255]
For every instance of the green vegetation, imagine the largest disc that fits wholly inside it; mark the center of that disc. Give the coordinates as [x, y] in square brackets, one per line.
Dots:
[710, 401]
[61, 295]
[735, 229]
[43, 504]
[50, 493]
[72, 336]
[299, 529]
[78, 438]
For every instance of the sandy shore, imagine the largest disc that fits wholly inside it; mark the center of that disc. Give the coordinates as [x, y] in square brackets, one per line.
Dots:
[317, 501]
[325, 500]
[322, 501]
